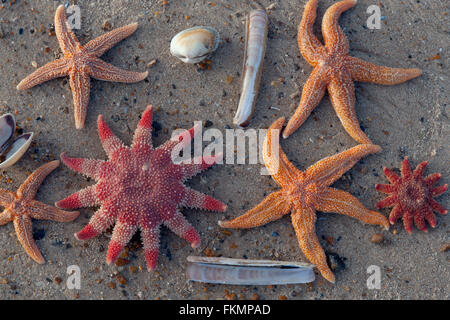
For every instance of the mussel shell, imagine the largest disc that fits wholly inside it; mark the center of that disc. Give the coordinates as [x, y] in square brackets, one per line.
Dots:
[194, 44]
[17, 149]
[7, 128]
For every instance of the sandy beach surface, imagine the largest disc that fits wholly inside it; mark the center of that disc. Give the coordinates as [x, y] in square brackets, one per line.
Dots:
[409, 119]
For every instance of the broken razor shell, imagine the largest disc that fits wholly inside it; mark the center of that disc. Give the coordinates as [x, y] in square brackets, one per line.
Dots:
[194, 44]
[12, 149]
[221, 270]
[256, 28]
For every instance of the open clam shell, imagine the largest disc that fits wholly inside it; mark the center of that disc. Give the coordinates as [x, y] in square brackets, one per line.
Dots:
[11, 149]
[248, 272]
[7, 128]
[194, 44]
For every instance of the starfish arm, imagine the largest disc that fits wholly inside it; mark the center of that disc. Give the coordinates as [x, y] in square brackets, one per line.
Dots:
[420, 169]
[86, 197]
[304, 220]
[100, 221]
[29, 188]
[406, 169]
[91, 168]
[387, 202]
[333, 36]
[439, 190]
[179, 142]
[80, 83]
[111, 144]
[364, 71]
[55, 69]
[310, 47]
[419, 221]
[342, 96]
[122, 234]
[385, 188]
[100, 45]
[431, 218]
[5, 217]
[437, 207]
[395, 214]
[313, 92]
[178, 224]
[42, 211]
[101, 70]
[198, 165]
[432, 179]
[6, 197]
[272, 208]
[326, 171]
[24, 231]
[278, 165]
[66, 38]
[195, 199]
[408, 221]
[143, 134]
[391, 175]
[150, 240]
[334, 200]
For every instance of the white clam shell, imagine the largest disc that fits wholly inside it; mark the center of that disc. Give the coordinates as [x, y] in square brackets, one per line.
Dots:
[17, 150]
[12, 149]
[248, 272]
[194, 44]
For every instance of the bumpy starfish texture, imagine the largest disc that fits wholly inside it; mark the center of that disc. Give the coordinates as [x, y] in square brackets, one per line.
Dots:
[335, 71]
[20, 208]
[411, 195]
[139, 187]
[81, 63]
[303, 193]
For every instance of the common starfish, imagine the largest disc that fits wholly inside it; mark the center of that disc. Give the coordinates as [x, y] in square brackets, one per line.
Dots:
[81, 63]
[139, 187]
[411, 195]
[335, 70]
[20, 207]
[303, 193]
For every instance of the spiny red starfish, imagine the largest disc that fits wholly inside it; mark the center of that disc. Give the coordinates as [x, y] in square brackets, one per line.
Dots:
[20, 207]
[411, 195]
[303, 193]
[81, 63]
[139, 187]
[335, 70]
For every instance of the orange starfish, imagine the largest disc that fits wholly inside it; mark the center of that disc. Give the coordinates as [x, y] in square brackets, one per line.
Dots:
[81, 63]
[335, 70]
[20, 207]
[303, 193]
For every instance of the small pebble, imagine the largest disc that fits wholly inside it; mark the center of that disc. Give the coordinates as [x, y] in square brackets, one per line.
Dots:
[445, 247]
[107, 26]
[376, 238]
